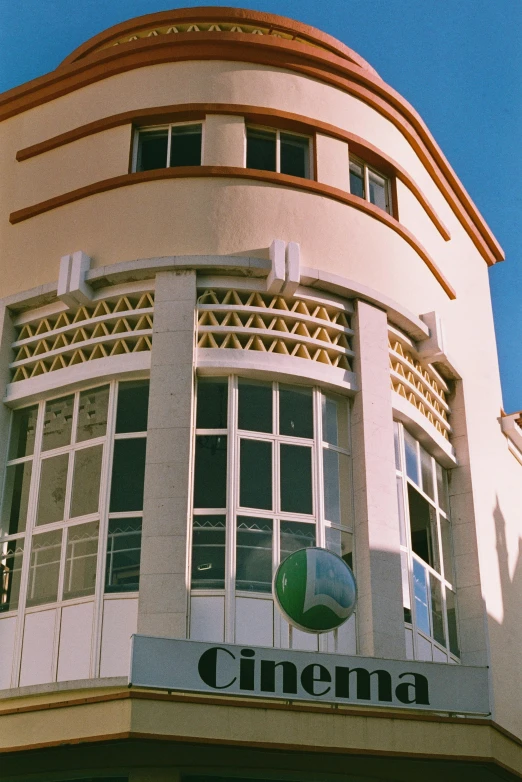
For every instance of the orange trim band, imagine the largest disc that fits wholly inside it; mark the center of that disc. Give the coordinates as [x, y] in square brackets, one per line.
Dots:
[311, 61]
[269, 177]
[198, 111]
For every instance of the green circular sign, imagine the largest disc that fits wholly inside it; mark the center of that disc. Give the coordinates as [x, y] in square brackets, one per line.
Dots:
[315, 590]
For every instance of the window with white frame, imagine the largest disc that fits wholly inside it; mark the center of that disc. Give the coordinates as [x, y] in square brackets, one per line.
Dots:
[426, 552]
[369, 184]
[272, 475]
[277, 150]
[73, 492]
[168, 146]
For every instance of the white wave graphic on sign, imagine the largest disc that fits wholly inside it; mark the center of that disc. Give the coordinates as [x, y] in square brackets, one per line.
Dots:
[323, 588]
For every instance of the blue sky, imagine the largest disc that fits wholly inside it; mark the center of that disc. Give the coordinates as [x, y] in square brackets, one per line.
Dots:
[458, 62]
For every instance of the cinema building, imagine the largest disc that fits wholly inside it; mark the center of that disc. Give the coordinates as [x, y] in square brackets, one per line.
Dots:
[244, 311]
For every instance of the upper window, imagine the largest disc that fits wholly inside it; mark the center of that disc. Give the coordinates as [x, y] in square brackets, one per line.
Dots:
[275, 150]
[168, 146]
[369, 184]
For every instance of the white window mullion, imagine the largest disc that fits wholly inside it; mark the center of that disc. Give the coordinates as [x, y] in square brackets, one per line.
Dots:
[366, 182]
[278, 151]
[318, 476]
[232, 503]
[169, 145]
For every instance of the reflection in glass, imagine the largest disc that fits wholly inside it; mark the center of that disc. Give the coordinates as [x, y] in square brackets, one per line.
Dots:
[420, 592]
[356, 179]
[261, 149]
[296, 478]
[255, 474]
[255, 406]
[23, 431]
[442, 488]
[437, 618]
[80, 562]
[208, 552]
[86, 481]
[295, 535]
[406, 598]
[400, 504]
[396, 442]
[44, 568]
[452, 622]
[423, 524]
[427, 473]
[212, 403]
[377, 186]
[133, 405]
[92, 413]
[152, 150]
[447, 558]
[16, 498]
[335, 421]
[412, 465]
[295, 155]
[128, 475]
[11, 554]
[57, 423]
[341, 543]
[337, 487]
[254, 554]
[51, 497]
[185, 146]
[210, 474]
[122, 572]
[296, 411]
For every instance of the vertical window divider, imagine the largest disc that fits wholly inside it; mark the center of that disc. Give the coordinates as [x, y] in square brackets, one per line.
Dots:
[29, 527]
[103, 515]
[232, 502]
[318, 477]
[276, 523]
[169, 145]
[366, 182]
[278, 150]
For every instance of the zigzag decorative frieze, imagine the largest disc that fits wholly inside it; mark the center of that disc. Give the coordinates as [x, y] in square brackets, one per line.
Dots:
[107, 328]
[275, 324]
[418, 382]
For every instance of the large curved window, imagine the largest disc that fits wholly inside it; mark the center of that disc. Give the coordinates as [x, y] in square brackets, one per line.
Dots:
[272, 475]
[427, 561]
[73, 492]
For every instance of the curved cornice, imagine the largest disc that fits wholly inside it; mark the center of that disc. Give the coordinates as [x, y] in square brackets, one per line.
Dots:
[332, 66]
[228, 172]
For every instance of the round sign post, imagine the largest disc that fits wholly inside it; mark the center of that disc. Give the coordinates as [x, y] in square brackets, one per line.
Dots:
[315, 590]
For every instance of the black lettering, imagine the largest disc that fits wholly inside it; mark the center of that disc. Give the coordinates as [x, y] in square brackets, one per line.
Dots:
[363, 678]
[420, 689]
[308, 678]
[207, 667]
[247, 670]
[268, 676]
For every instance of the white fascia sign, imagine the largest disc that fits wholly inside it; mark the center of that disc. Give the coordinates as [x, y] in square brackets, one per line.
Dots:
[228, 669]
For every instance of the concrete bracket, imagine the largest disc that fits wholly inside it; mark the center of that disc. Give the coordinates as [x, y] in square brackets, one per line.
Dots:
[293, 268]
[433, 349]
[276, 277]
[72, 288]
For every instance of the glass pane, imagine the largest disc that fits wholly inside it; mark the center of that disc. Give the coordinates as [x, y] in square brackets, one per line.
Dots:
[22, 432]
[185, 148]
[51, 497]
[412, 463]
[208, 552]
[377, 185]
[447, 558]
[294, 536]
[86, 481]
[341, 543]
[452, 622]
[356, 180]
[397, 444]
[427, 473]
[80, 563]
[442, 487]
[92, 413]
[122, 572]
[133, 405]
[296, 411]
[255, 480]
[337, 487]
[295, 155]
[212, 403]
[57, 423]
[400, 504]
[437, 611]
[44, 568]
[210, 476]
[423, 524]
[335, 421]
[296, 479]
[128, 475]
[254, 554]
[420, 592]
[152, 150]
[406, 598]
[261, 149]
[16, 498]
[255, 406]
[11, 554]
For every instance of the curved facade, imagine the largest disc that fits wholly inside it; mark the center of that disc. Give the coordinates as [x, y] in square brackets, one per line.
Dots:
[245, 310]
